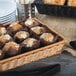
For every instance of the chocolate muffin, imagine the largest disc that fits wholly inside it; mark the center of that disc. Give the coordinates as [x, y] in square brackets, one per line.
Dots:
[31, 23]
[37, 31]
[1, 54]
[30, 44]
[4, 39]
[2, 31]
[11, 48]
[47, 38]
[13, 28]
[20, 36]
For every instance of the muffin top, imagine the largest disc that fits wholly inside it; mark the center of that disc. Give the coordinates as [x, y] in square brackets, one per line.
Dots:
[31, 23]
[15, 26]
[2, 30]
[5, 38]
[11, 45]
[22, 35]
[47, 37]
[38, 30]
[30, 42]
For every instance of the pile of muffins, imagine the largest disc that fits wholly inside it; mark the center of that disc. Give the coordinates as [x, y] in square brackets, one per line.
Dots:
[20, 37]
[61, 2]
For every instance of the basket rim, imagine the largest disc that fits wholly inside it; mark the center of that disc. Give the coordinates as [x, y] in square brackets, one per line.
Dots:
[36, 50]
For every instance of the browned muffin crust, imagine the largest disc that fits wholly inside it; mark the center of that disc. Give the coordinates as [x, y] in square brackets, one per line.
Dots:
[31, 23]
[56, 2]
[11, 48]
[13, 28]
[21, 35]
[47, 38]
[38, 30]
[30, 44]
[4, 39]
[71, 2]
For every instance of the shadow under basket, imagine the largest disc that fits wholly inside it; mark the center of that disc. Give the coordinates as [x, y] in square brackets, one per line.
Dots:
[33, 55]
[55, 10]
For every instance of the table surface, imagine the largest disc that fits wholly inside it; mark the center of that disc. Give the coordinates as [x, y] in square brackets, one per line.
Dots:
[66, 27]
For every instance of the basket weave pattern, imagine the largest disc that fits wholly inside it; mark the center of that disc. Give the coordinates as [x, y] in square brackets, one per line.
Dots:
[34, 55]
[30, 58]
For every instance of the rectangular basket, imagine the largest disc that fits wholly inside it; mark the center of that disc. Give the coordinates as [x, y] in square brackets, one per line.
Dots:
[34, 55]
[55, 10]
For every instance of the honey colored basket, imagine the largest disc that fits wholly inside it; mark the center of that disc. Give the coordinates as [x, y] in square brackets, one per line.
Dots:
[34, 55]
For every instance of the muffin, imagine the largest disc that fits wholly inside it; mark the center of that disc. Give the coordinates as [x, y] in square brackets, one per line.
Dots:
[30, 44]
[56, 2]
[11, 48]
[4, 39]
[20, 36]
[47, 38]
[31, 23]
[37, 31]
[71, 2]
[1, 54]
[14, 27]
[2, 31]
